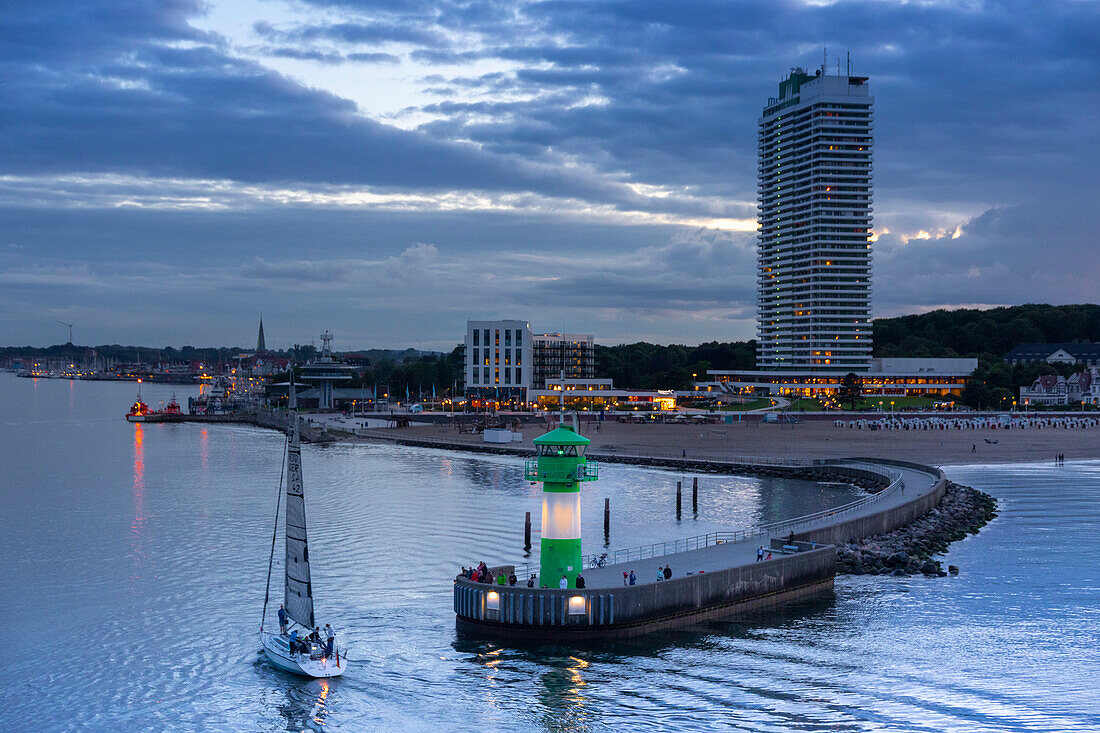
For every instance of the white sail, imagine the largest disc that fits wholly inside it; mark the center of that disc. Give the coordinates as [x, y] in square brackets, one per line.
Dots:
[299, 590]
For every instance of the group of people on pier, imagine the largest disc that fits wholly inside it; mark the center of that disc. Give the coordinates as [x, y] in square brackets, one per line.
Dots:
[481, 574]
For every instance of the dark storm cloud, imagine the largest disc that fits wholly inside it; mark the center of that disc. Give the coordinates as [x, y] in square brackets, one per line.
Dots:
[980, 107]
[132, 105]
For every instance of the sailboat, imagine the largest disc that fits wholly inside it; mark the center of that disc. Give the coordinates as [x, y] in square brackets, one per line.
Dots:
[300, 656]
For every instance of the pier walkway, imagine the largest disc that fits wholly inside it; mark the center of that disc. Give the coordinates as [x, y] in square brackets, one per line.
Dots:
[719, 551]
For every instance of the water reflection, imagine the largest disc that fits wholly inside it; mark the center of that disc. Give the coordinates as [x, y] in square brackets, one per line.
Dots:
[137, 525]
[562, 694]
[305, 706]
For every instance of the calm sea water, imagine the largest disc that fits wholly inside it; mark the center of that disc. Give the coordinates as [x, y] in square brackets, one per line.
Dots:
[136, 558]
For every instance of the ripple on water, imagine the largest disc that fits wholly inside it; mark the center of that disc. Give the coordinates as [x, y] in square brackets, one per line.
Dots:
[143, 587]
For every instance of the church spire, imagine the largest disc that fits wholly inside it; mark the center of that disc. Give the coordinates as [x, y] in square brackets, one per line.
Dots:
[260, 345]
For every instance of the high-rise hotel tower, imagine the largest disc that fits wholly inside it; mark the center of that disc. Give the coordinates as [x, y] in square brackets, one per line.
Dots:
[814, 259]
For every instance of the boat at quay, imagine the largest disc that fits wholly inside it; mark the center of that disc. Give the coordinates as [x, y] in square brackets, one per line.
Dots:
[140, 412]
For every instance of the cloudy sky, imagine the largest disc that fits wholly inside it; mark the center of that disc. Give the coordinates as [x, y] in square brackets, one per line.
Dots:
[169, 169]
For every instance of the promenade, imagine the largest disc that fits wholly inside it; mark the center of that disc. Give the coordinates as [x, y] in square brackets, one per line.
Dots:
[730, 554]
[812, 439]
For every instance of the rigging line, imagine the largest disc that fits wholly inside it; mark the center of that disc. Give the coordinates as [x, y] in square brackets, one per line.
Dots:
[274, 534]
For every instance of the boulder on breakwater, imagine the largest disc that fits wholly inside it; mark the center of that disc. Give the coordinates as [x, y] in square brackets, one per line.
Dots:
[908, 550]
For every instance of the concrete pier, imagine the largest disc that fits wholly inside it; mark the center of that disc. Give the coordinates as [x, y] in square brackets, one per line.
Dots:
[718, 579]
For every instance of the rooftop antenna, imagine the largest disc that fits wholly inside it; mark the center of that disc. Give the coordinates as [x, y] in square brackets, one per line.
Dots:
[849, 62]
[824, 59]
[70, 325]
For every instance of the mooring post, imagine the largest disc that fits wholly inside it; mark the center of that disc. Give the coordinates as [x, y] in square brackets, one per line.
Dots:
[679, 497]
[527, 532]
[695, 495]
[606, 521]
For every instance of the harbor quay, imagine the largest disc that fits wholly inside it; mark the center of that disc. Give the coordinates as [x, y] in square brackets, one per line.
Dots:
[716, 575]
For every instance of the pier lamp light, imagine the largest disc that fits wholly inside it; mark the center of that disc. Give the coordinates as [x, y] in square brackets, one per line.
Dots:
[492, 601]
[577, 606]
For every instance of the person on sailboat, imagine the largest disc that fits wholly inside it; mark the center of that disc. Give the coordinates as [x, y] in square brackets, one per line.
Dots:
[330, 640]
[294, 641]
[282, 620]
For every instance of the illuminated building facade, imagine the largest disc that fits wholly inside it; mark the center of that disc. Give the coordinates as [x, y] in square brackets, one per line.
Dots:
[504, 360]
[814, 254]
[499, 359]
[573, 354]
[814, 251]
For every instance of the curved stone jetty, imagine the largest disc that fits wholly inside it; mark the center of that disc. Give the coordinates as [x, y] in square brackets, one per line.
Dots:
[718, 578]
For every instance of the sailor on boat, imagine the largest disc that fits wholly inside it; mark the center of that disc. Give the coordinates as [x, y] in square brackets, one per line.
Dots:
[306, 653]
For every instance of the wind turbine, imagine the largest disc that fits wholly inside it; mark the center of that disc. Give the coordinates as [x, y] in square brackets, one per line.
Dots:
[70, 325]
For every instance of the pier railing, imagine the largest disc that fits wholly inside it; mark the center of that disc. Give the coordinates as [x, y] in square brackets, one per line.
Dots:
[698, 542]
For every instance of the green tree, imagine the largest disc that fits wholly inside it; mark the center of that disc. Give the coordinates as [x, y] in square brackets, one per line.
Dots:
[851, 390]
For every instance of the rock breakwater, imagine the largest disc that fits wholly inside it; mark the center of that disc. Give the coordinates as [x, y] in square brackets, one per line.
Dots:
[908, 550]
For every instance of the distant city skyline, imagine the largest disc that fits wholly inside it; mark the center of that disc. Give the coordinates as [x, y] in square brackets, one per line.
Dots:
[390, 171]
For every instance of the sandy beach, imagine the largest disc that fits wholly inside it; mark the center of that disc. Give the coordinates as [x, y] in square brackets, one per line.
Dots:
[807, 440]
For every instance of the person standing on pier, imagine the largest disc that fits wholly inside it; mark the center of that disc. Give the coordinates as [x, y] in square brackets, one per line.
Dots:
[760, 553]
[668, 572]
[633, 579]
[563, 583]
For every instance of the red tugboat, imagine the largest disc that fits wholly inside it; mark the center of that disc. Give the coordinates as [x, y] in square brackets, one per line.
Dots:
[140, 412]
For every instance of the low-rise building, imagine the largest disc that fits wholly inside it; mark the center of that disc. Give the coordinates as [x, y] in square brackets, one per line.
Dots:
[1054, 389]
[598, 395]
[1084, 353]
[887, 376]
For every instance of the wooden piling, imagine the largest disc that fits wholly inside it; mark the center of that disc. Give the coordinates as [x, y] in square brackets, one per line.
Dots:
[695, 495]
[527, 532]
[606, 515]
[679, 497]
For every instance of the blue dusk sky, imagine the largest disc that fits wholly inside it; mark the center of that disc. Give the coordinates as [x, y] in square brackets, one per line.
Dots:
[169, 169]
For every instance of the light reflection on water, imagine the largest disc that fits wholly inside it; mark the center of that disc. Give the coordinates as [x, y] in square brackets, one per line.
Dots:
[139, 567]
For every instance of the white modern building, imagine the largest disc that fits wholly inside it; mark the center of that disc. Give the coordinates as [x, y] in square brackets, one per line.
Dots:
[814, 256]
[499, 360]
[814, 251]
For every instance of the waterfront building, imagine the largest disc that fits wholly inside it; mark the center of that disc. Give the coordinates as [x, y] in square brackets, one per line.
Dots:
[597, 395]
[504, 360]
[325, 372]
[814, 251]
[498, 359]
[555, 354]
[1087, 354]
[1053, 389]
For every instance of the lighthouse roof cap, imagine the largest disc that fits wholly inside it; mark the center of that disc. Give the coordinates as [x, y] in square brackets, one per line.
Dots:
[561, 436]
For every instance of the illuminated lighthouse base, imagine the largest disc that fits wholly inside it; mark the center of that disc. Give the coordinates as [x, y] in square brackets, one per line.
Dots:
[560, 548]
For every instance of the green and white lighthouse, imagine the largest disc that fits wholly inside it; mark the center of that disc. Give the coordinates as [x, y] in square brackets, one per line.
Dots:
[561, 467]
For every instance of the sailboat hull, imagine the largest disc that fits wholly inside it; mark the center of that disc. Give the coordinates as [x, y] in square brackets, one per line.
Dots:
[278, 653]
